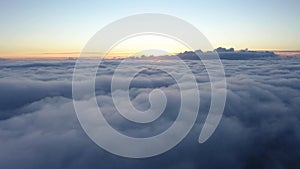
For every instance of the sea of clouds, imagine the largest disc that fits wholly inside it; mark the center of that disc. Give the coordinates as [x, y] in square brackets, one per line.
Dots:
[260, 127]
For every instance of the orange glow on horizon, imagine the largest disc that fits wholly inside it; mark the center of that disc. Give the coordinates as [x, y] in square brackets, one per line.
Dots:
[134, 46]
[111, 55]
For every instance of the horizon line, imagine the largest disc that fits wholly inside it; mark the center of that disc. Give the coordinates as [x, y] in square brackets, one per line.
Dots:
[118, 54]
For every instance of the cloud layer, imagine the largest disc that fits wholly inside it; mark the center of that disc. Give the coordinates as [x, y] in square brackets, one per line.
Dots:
[260, 127]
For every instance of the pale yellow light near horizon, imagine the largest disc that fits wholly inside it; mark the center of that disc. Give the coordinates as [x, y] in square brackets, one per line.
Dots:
[146, 45]
[137, 45]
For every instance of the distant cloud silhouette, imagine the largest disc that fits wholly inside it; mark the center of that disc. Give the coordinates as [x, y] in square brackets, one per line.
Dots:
[228, 54]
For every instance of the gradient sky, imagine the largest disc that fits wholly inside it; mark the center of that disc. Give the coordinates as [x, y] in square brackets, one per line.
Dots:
[31, 28]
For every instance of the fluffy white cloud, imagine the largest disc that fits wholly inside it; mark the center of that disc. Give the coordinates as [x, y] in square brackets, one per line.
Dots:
[260, 127]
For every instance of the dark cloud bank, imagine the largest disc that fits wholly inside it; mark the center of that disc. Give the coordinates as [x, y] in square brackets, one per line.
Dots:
[260, 127]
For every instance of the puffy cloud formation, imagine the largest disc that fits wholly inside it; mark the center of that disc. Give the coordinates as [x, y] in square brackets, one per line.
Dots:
[260, 127]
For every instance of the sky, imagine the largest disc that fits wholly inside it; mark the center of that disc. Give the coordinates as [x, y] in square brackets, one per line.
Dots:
[57, 28]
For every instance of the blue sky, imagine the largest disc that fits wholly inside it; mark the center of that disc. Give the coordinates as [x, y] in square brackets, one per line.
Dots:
[36, 27]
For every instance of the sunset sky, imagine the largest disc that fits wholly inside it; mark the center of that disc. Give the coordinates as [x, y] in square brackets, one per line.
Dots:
[58, 28]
